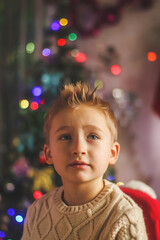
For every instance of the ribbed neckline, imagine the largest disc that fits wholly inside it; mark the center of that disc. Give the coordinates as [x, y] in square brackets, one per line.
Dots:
[63, 208]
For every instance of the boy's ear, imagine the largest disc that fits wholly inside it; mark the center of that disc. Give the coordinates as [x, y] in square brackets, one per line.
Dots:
[47, 153]
[115, 149]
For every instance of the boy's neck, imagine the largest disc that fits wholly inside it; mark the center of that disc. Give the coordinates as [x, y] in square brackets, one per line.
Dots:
[79, 194]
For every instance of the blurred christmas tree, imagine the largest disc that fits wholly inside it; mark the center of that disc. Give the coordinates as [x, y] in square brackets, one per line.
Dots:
[25, 174]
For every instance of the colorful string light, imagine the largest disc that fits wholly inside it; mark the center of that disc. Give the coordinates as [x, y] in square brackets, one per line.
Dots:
[37, 194]
[55, 26]
[34, 106]
[120, 183]
[61, 42]
[46, 52]
[111, 177]
[74, 52]
[63, 21]
[37, 91]
[11, 212]
[2, 234]
[115, 69]
[45, 78]
[151, 56]
[30, 47]
[98, 84]
[19, 219]
[72, 36]
[80, 57]
[24, 103]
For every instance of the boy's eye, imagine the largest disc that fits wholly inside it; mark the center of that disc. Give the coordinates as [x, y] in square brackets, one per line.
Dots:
[65, 137]
[92, 137]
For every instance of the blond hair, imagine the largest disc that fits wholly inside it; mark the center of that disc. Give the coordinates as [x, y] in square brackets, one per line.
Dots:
[72, 96]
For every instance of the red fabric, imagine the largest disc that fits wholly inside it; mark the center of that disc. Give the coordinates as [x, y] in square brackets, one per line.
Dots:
[151, 211]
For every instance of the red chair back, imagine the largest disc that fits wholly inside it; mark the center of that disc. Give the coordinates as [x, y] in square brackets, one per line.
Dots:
[151, 211]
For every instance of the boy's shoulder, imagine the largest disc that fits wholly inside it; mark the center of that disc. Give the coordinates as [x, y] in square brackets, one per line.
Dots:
[121, 202]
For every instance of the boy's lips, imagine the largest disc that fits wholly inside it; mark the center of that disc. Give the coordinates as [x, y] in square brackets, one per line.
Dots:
[79, 164]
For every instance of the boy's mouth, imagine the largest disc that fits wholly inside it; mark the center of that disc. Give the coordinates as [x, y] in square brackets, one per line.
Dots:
[79, 164]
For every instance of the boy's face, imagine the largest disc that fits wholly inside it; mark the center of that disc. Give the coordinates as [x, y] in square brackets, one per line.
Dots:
[80, 145]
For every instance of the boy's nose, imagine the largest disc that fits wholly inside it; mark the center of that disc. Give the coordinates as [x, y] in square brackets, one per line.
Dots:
[78, 153]
[79, 148]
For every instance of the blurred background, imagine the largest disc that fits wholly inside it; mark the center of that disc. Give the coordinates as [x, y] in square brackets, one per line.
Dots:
[113, 45]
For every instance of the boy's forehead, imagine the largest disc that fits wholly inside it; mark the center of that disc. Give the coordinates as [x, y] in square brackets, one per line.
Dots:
[88, 115]
[82, 110]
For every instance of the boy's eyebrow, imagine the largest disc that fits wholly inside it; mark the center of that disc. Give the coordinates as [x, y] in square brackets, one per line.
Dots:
[61, 128]
[95, 127]
[86, 126]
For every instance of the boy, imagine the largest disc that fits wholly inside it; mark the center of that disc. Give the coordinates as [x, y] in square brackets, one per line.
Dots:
[81, 141]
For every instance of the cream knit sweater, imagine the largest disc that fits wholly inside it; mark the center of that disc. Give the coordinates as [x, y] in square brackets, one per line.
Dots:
[112, 215]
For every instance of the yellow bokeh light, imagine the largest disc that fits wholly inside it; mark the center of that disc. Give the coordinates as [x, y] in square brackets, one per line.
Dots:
[98, 84]
[74, 52]
[120, 183]
[24, 103]
[63, 21]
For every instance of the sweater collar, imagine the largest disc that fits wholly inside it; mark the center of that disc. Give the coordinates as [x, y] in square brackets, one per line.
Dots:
[63, 208]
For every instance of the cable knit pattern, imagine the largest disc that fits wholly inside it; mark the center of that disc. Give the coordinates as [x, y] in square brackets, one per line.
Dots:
[112, 215]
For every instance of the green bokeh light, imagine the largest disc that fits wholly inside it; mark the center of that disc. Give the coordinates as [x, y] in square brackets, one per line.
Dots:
[30, 47]
[72, 36]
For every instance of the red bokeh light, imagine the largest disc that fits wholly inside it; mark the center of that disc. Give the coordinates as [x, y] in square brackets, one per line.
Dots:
[42, 101]
[61, 42]
[34, 105]
[151, 56]
[37, 194]
[115, 69]
[80, 57]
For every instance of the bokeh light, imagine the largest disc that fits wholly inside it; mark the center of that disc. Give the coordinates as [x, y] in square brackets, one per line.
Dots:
[80, 57]
[63, 21]
[37, 194]
[45, 78]
[30, 47]
[118, 93]
[98, 84]
[55, 26]
[34, 106]
[110, 177]
[61, 42]
[120, 183]
[19, 218]
[151, 56]
[10, 187]
[11, 212]
[42, 101]
[46, 52]
[2, 234]
[115, 69]
[37, 91]
[23, 104]
[74, 52]
[72, 36]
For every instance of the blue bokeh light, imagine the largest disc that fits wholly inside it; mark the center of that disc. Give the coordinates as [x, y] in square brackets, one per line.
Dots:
[11, 212]
[2, 234]
[46, 52]
[55, 26]
[111, 177]
[37, 91]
